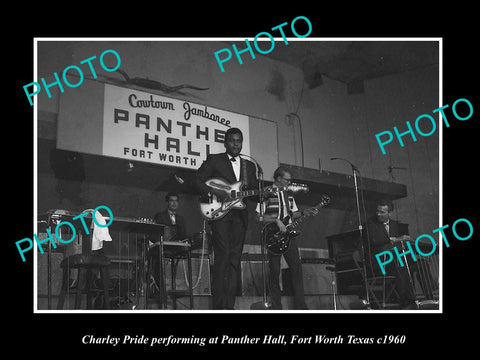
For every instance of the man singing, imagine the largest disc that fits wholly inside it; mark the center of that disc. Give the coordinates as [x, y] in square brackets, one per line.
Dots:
[228, 232]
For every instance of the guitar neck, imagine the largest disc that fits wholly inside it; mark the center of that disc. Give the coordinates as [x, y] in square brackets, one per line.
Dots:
[246, 193]
[300, 220]
[297, 223]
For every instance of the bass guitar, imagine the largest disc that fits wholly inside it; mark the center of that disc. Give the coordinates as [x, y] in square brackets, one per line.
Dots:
[213, 208]
[277, 242]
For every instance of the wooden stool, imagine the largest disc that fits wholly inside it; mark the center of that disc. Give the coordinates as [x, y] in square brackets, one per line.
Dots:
[85, 264]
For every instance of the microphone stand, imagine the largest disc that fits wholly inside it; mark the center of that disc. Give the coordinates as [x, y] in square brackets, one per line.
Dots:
[263, 305]
[360, 230]
[410, 278]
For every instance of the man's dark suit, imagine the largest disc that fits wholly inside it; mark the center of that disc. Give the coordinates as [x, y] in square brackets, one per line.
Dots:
[228, 233]
[379, 240]
[163, 217]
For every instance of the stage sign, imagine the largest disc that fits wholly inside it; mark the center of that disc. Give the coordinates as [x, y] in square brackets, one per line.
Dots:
[147, 127]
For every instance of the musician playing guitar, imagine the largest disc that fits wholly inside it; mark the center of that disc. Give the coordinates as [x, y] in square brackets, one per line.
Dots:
[228, 231]
[276, 209]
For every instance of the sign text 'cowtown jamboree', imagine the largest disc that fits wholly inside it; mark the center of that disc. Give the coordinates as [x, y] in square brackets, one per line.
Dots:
[147, 127]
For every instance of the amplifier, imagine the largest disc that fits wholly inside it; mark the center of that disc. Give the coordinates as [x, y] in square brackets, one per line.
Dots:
[200, 276]
[250, 282]
[317, 280]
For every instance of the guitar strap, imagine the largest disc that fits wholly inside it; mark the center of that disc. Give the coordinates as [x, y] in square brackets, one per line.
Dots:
[244, 172]
[284, 205]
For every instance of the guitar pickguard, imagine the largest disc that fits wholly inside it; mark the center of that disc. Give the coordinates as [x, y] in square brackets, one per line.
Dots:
[235, 204]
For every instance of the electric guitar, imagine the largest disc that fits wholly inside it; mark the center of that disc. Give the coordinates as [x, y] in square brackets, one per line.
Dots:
[277, 242]
[213, 208]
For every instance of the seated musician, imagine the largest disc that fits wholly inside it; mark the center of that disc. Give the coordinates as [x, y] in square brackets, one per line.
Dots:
[383, 234]
[170, 217]
[276, 209]
[174, 231]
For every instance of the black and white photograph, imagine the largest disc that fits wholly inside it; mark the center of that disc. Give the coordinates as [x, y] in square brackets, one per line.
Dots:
[337, 139]
[276, 187]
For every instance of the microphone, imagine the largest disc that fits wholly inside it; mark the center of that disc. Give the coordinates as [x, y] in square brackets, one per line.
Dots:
[259, 168]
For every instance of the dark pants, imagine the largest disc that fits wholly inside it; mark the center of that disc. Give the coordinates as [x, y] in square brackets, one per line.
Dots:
[228, 235]
[403, 282]
[292, 257]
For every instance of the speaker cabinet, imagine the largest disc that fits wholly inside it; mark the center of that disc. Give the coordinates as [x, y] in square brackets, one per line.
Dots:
[250, 282]
[317, 280]
[200, 275]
